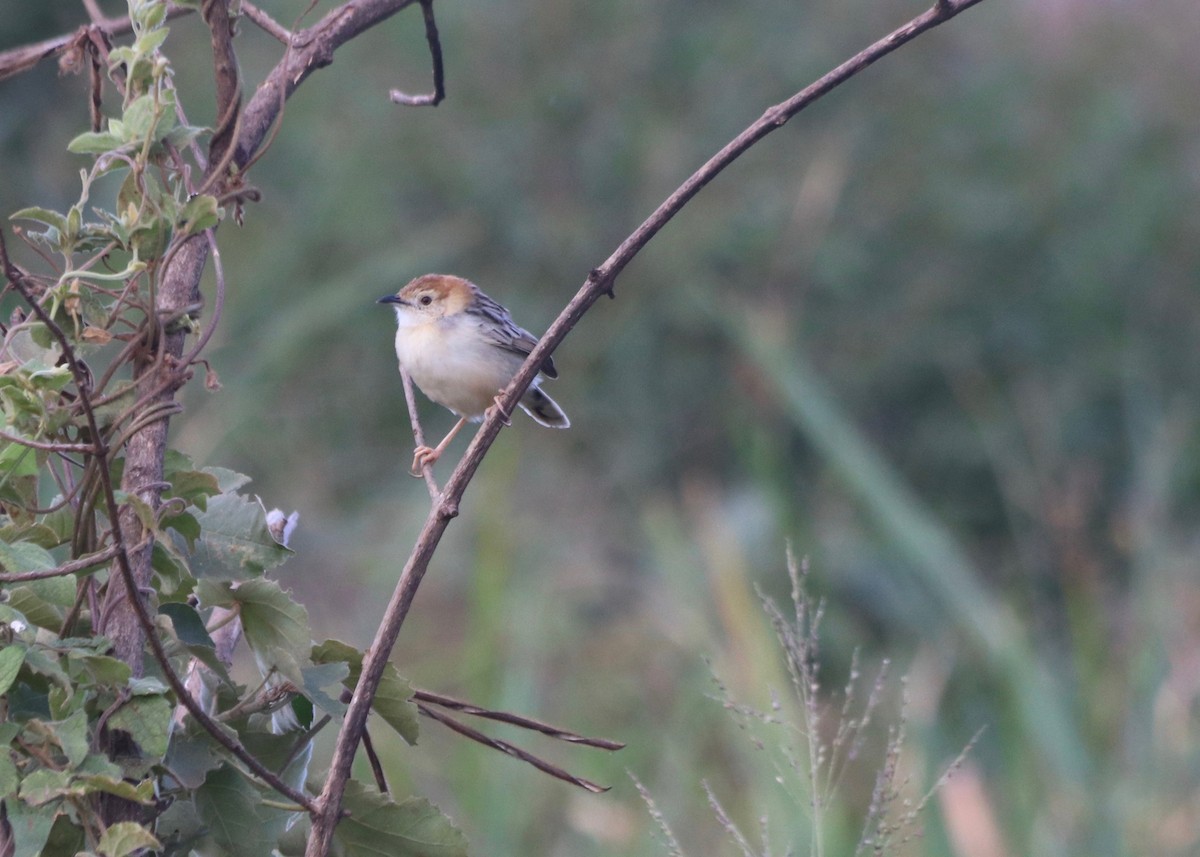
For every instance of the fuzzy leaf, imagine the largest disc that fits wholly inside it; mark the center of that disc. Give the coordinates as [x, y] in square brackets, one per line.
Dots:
[412, 828]
[95, 143]
[235, 543]
[147, 719]
[11, 659]
[42, 215]
[199, 214]
[276, 627]
[125, 837]
[393, 701]
[229, 806]
[26, 556]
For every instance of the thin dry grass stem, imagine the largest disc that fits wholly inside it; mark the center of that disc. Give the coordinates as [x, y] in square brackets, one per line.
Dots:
[673, 848]
[726, 822]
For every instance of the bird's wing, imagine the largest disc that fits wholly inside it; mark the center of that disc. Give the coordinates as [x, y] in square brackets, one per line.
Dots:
[497, 325]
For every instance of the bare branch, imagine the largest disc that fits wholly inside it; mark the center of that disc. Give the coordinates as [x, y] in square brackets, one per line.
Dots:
[81, 564]
[47, 446]
[18, 60]
[436, 97]
[508, 749]
[431, 698]
[418, 433]
[266, 22]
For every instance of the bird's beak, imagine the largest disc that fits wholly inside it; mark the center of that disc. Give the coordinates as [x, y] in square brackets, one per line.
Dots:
[391, 299]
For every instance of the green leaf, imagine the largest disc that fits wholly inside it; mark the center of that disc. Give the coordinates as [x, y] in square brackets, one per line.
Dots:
[190, 758]
[377, 825]
[228, 805]
[200, 213]
[194, 486]
[393, 701]
[10, 780]
[95, 143]
[66, 838]
[44, 785]
[30, 828]
[42, 215]
[142, 793]
[11, 658]
[317, 678]
[189, 627]
[276, 627]
[147, 719]
[125, 837]
[72, 736]
[26, 556]
[236, 544]
[40, 600]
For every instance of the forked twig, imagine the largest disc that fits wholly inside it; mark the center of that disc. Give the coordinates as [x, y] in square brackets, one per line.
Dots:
[431, 698]
[508, 749]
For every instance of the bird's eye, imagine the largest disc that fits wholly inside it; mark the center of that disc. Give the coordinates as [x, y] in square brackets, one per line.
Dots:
[426, 300]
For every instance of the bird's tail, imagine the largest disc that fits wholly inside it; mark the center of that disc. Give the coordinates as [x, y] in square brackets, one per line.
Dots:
[543, 409]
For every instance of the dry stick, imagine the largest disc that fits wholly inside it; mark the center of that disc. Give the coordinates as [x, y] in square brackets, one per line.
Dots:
[122, 555]
[514, 720]
[439, 73]
[81, 564]
[47, 446]
[266, 22]
[17, 60]
[599, 282]
[507, 749]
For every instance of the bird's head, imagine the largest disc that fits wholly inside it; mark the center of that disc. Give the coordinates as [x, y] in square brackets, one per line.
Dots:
[431, 297]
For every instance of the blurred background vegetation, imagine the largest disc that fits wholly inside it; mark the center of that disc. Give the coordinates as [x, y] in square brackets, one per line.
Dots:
[939, 333]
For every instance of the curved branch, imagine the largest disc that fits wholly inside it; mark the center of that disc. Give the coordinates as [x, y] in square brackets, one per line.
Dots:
[599, 282]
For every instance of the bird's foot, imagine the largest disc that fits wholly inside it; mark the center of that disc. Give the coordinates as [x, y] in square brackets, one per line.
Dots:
[423, 456]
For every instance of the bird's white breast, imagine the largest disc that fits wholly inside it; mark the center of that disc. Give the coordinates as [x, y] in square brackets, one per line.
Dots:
[453, 364]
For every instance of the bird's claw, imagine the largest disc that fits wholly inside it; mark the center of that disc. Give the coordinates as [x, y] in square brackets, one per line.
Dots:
[423, 456]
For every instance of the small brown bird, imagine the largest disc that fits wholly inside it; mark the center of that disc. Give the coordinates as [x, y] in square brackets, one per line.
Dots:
[461, 348]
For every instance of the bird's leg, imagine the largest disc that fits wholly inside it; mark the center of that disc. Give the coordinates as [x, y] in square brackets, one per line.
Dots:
[426, 455]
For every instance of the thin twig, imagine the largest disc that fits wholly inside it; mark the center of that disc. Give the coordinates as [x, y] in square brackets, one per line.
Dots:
[514, 720]
[266, 22]
[376, 765]
[47, 445]
[436, 97]
[509, 749]
[81, 564]
[414, 418]
[17, 60]
[598, 283]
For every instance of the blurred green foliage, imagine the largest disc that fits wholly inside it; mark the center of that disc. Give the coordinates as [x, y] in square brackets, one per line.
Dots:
[939, 332]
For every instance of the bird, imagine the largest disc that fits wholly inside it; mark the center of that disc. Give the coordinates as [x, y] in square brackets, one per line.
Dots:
[461, 348]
